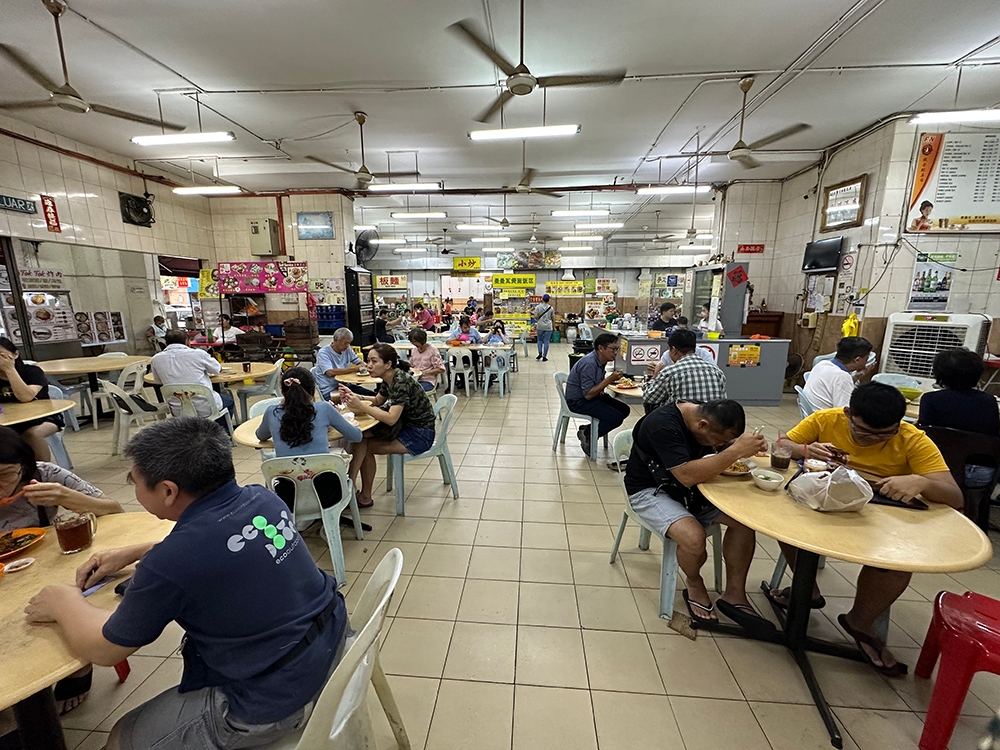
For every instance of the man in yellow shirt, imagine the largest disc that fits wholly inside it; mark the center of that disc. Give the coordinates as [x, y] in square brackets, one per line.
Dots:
[879, 443]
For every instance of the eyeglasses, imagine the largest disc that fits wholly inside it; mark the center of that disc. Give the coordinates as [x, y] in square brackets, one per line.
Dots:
[867, 432]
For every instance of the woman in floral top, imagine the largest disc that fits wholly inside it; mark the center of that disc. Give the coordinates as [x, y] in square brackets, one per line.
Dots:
[405, 416]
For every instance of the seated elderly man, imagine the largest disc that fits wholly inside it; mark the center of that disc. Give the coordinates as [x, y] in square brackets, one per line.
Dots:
[689, 378]
[338, 358]
[180, 364]
[264, 626]
[832, 381]
[906, 464]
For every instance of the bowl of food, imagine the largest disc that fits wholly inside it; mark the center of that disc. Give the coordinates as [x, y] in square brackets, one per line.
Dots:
[740, 468]
[767, 480]
[814, 464]
[909, 393]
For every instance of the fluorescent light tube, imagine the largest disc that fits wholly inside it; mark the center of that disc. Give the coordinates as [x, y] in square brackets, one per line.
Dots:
[607, 225]
[363, 227]
[703, 237]
[583, 212]
[696, 248]
[673, 189]
[173, 139]
[583, 238]
[965, 115]
[208, 190]
[410, 250]
[479, 227]
[416, 187]
[388, 241]
[419, 215]
[490, 239]
[501, 134]
[571, 248]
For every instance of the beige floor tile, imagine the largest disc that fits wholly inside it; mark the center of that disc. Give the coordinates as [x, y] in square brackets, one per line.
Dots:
[593, 569]
[549, 604]
[874, 729]
[431, 598]
[643, 568]
[589, 538]
[472, 714]
[694, 668]
[509, 461]
[546, 566]
[621, 662]
[537, 477]
[489, 601]
[629, 721]
[710, 723]
[106, 693]
[415, 697]
[543, 512]
[165, 676]
[854, 684]
[749, 659]
[500, 563]
[501, 510]
[448, 560]
[499, 490]
[499, 534]
[507, 475]
[916, 693]
[585, 513]
[608, 608]
[794, 727]
[546, 718]
[550, 656]
[481, 652]
[94, 741]
[167, 644]
[454, 531]
[425, 507]
[982, 581]
[411, 555]
[73, 737]
[416, 647]
[466, 507]
[543, 536]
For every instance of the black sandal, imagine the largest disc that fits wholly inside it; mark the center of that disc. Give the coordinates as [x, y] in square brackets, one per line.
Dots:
[786, 593]
[748, 618]
[695, 618]
[896, 670]
[73, 687]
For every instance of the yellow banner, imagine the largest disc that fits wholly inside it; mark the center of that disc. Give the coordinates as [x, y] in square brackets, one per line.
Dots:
[208, 283]
[564, 287]
[524, 280]
[466, 264]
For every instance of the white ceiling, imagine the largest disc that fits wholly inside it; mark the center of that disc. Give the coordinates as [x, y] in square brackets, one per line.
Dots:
[421, 86]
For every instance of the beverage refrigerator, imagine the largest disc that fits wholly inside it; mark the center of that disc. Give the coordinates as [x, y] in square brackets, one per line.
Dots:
[360, 306]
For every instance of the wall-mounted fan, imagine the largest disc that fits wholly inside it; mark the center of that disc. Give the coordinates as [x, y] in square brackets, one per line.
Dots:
[364, 248]
[362, 174]
[137, 209]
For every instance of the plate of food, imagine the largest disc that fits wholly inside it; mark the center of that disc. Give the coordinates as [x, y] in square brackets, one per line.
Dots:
[626, 383]
[740, 468]
[17, 541]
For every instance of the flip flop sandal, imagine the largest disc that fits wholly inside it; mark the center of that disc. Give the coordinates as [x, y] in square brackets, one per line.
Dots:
[818, 603]
[695, 618]
[362, 503]
[73, 687]
[747, 618]
[897, 670]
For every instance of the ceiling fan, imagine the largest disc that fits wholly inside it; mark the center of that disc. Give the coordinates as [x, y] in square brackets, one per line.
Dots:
[750, 156]
[428, 240]
[65, 96]
[527, 175]
[520, 81]
[362, 174]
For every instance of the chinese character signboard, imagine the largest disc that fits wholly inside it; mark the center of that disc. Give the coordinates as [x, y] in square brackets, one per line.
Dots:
[606, 286]
[564, 287]
[270, 277]
[466, 264]
[41, 279]
[390, 281]
[49, 211]
[522, 280]
[750, 249]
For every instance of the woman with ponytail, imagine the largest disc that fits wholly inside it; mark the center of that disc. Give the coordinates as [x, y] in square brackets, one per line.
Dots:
[299, 426]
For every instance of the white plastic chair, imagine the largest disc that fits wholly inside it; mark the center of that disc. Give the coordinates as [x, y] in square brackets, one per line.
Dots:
[259, 407]
[805, 408]
[523, 339]
[129, 408]
[460, 362]
[129, 380]
[185, 393]
[499, 367]
[308, 505]
[668, 567]
[55, 440]
[566, 414]
[269, 387]
[586, 334]
[443, 408]
[896, 380]
[341, 719]
[69, 390]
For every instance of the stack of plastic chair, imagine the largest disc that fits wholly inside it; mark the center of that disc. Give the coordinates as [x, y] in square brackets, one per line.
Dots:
[499, 367]
[460, 363]
[443, 409]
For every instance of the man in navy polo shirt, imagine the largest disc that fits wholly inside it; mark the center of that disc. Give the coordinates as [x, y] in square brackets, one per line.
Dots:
[264, 626]
[585, 390]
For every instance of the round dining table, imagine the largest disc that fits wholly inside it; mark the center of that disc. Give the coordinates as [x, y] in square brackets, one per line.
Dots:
[232, 374]
[937, 540]
[35, 657]
[246, 433]
[356, 378]
[16, 412]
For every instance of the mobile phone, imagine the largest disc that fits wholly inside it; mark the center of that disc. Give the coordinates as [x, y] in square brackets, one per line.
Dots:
[121, 587]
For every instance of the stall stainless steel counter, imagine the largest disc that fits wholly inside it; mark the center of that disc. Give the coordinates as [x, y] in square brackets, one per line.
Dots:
[754, 368]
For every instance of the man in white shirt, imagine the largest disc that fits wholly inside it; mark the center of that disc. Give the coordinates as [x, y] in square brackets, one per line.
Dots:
[831, 381]
[225, 332]
[666, 360]
[180, 364]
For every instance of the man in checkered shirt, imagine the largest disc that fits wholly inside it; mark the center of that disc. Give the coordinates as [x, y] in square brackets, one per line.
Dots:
[689, 378]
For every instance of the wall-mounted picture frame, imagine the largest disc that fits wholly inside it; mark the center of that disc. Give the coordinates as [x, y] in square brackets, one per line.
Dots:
[315, 225]
[844, 204]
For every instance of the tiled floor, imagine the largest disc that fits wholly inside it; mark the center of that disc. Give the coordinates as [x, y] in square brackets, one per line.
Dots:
[509, 629]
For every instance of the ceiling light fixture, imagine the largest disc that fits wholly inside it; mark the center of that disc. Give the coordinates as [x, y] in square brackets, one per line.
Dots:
[364, 227]
[478, 227]
[502, 134]
[696, 248]
[401, 250]
[388, 241]
[703, 237]
[673, 189]
[965, 115]
[571, 248]
[401, 187]
[583, 238]
[490, 239]
[607, 225]
[582, 212]
[208, 190]
[176, 139]
[419, 215]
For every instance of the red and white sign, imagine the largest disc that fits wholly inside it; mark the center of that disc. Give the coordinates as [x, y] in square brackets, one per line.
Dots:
[738, 276]
[49, 211]
[644, 354]
[712, 349]
[750, 249]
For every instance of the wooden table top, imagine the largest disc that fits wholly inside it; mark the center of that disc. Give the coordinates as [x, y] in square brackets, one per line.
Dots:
[937, 540]
[235, 374]
[16, 412]
[245, 434]
[36, 656]
[87, 365]
[356, 379]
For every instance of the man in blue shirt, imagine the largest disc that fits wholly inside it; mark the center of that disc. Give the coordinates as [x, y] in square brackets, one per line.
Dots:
[466, 333]
[264, 626]
[337, 359]
[585, 390]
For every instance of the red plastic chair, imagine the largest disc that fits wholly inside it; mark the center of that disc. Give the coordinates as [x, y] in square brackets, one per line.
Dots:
[965, 631]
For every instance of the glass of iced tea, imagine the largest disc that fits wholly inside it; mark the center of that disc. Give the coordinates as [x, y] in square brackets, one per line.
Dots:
[781, 455]
[75, 531]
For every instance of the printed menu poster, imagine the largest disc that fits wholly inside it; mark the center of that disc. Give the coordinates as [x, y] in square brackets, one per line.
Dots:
[744, 355]
[100, 328]
[267, 277]
[956, 184]
[932, 280]
[50, 320]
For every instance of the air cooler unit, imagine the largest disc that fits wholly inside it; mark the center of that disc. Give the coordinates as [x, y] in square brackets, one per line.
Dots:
[913, 339]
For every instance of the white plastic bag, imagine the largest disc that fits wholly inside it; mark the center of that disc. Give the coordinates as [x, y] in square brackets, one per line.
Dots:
[834, 491]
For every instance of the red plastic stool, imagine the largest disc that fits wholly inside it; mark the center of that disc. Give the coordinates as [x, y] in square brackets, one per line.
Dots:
[965, 631]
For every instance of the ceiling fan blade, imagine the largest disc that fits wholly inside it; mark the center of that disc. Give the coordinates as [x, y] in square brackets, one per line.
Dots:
[781, 134]
[27, 105]
[390, 175]
[526, 177]
[330, 164]
[28, 68]
[767, 157]
[747, 162]
[593, 79]
[123, 115]
[543, 191]
[466, 30]
[487, 114]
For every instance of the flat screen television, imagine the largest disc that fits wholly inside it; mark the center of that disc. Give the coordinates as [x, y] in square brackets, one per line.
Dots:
[822, 256]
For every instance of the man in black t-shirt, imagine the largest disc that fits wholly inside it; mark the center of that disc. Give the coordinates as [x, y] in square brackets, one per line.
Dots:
[666, 321]
[21, 382]
[674, 450]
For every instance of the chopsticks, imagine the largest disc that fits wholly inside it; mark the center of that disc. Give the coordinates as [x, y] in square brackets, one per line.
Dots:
[8, 500]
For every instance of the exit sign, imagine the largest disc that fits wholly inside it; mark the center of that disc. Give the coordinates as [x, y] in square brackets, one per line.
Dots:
[467, 264]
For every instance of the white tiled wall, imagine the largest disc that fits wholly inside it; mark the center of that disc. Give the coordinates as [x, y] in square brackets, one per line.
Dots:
[750, 216]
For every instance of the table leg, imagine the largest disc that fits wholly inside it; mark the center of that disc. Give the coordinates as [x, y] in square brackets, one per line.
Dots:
[38, 722]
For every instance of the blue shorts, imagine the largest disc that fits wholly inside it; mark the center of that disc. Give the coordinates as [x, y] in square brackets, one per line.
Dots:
[416, 440]
[659, 510]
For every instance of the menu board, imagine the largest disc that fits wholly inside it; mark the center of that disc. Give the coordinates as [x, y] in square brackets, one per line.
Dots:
[100, 328]
[328, 291]
[521, 260]
[956, 184]
[564, 287]
[270, 277]
[41, 279]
